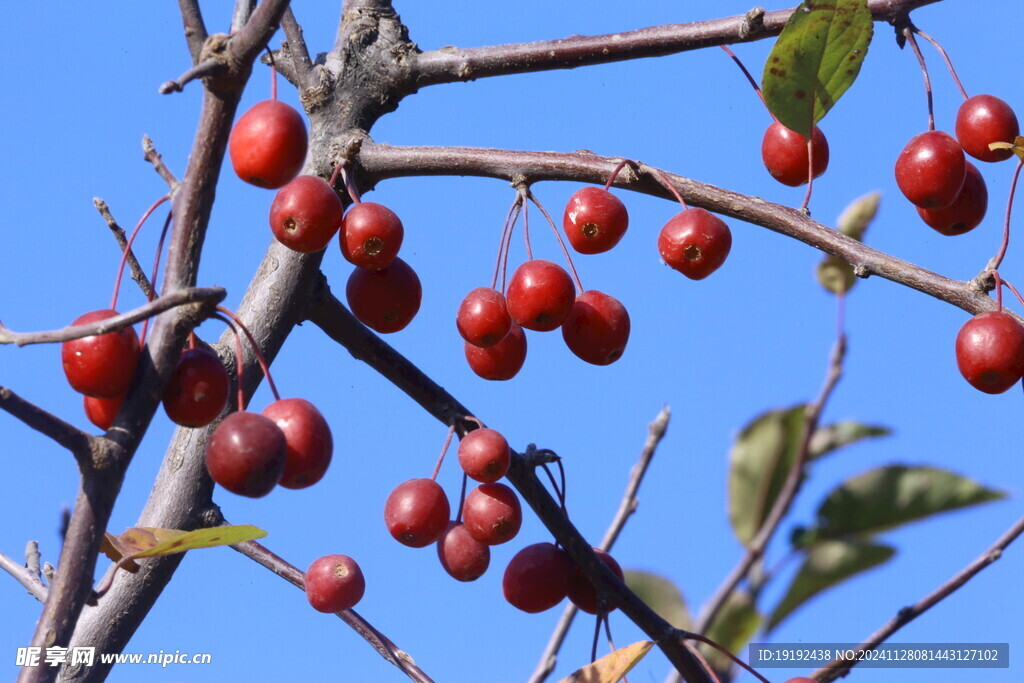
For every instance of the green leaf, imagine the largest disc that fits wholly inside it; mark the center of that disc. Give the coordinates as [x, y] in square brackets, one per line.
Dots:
[736, 624]
[836, 275]
[815, 59]
[613, 667]
[857, 216]
[838, 434]
[887, 497]
[662, 595]
[758, 464]
[827, 564]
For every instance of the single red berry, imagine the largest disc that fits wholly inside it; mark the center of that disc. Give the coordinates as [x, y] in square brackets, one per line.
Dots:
[385, 300]
[461, 555]
[597, 328]
[695, 242]
[594, 220]
[537, 578]
[990, 352]
[540, 295]
[102, 411]
[102, 365]
[483, 318]
[784, 153]
[268, 144]
[484, 455]
[582, 593]
[492, 514]
[417, 512]
[371, 235]
[305, 214]
[801, 679]
[334, 583]
[501, 361]
[197, 390]
[966, 211]
[930, 170]
[984, 119]
[308, 438]
[246, 454]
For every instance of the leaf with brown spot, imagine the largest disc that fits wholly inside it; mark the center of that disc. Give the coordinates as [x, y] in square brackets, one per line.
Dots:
[611, 668]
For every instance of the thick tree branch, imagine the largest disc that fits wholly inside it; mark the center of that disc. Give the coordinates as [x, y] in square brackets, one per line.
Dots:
[655, 433]
[67, 435]
[379, 162]
[195, 28]
[837, 669]
[182, 297]
[451, 64]
[381, 643]
[23, 575]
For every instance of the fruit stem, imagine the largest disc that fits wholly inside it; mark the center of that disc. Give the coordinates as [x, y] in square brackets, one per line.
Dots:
[998, 258]
[501, 244]
[810, 167]
[924, 70]
[559, 490]
[462, 498]
[444, 449]
[239, 362]
[153, 276]
[750, 78]
[999, 290]
[128, 248]
[256, 350]
[597, 636]
[192, 341]
[517, 206]
[707, 641]
[273, 78]
[558, 236]
[350, 186]
[526, 225]
[608, 631]
[1015, 292]
[611, 178]
[949, 63]
[660, 177]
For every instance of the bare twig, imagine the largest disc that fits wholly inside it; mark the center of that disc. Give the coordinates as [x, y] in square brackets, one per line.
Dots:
[32, 558]
[302, 66]
[656, 431]
[25, 576]
[181, 297]
[152, 156]
[240, 17]
[201, 70]
[293, 575]
[195, 29]
[839, 669]
[122, 240]
[68, 436]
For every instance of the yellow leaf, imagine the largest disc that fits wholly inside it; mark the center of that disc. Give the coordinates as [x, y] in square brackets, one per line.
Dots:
[174, 541]
[611, 668]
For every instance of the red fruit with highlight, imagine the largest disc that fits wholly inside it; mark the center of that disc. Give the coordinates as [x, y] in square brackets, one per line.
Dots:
[540, 295]
[967, 210]
[930, 170]
[582, 592]
[484, 455]
[537, 578]
[501, 361]
[197, 390]
[102, 365]
[417, 512]
[308, 438]
[990, 352]
[305, 214]
[594, 220]
[371, 235]
[246, 454]
[492, 514]
[334, 583]
[984, 119]
[461, 555]
[385, 300]
[695, 242]
[268, 144]
[597, 328]
[483, 318]
[784, 153]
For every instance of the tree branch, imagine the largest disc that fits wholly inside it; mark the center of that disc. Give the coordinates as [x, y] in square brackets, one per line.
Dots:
[23, 575]
[839, 669]
[378, 162]
[122, 240]
[67, 435]
[302, 65]
[152, 156]
[381, 643]
[451, 64]
[195, 28]
[192, 295]
[656, 431]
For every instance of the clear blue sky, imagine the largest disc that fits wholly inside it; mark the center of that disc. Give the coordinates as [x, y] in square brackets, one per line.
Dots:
[80, 90]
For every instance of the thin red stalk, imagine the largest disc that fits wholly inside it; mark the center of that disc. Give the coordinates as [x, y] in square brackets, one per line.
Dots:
[999, 290]
[615, 172]
[273, 82]
[255, 349]
[608, 634]
[501, 244]
[444, 449]
[746, 73]
[734, 658]
[128, 248]
[239, 361]
[924, 70]
[508, 241]
[597, 637]
[462, 498]
[949, 63]
[526, 230]
[810, 171]
[156, 272]
[660, 177]
[1015, 292]
[558, 236]
[995, 263]
[350, 186]
[337, 170]
[191, 340]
